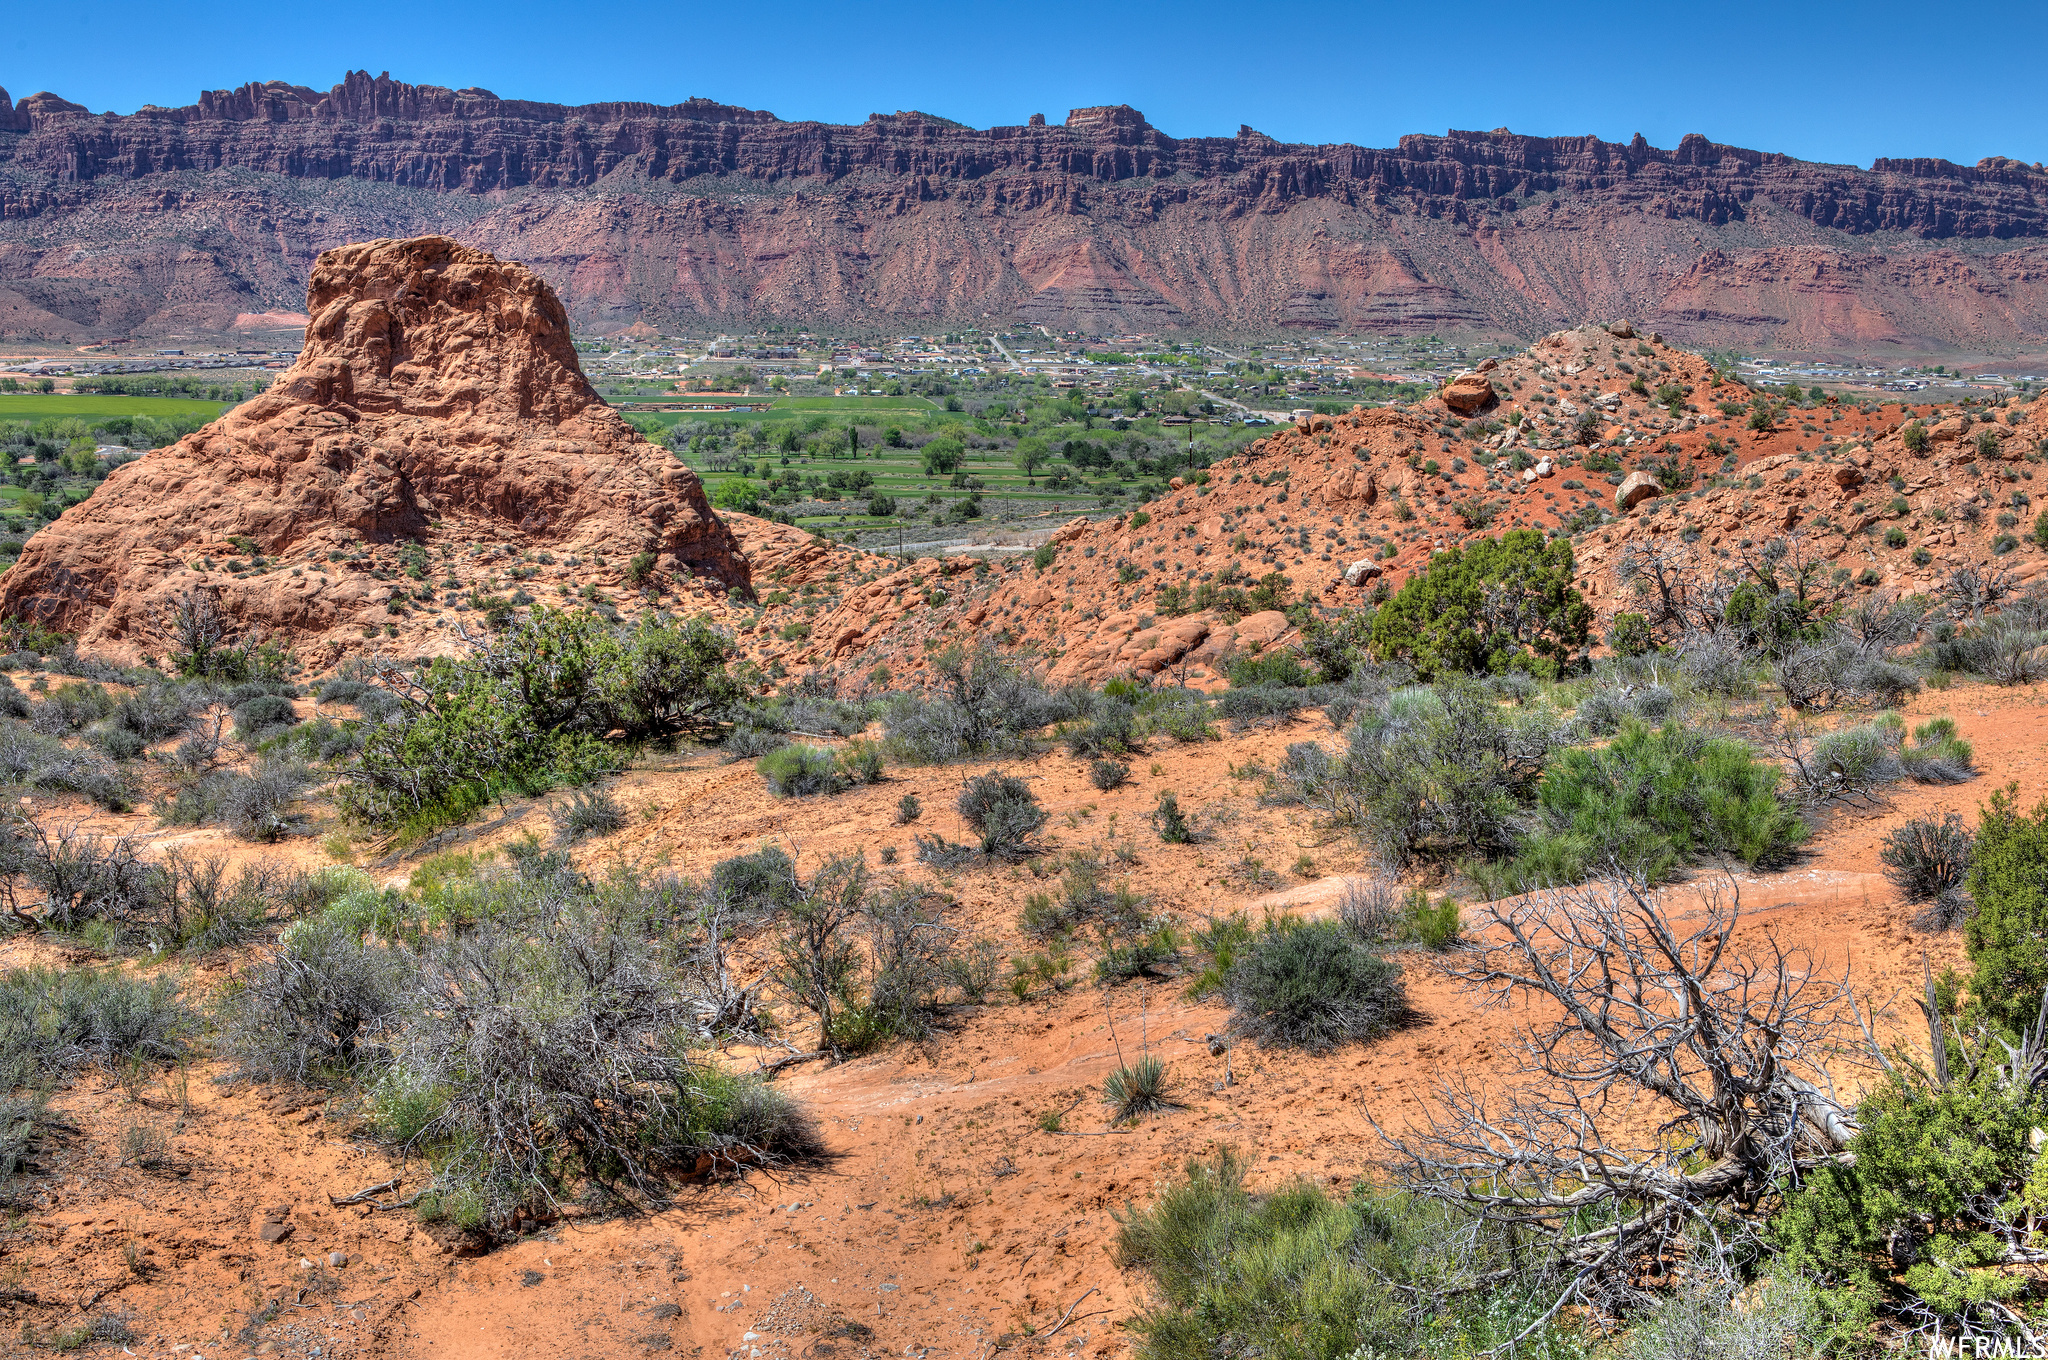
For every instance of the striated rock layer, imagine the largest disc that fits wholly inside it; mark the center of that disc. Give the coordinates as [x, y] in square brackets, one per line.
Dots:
[185, 219]
[438, 402]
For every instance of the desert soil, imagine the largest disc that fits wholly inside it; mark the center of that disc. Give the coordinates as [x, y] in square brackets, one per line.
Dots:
[946, 1221]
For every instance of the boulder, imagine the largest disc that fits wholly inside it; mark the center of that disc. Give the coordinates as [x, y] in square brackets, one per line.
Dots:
[1073, 528]
[1348, 483]
[1361, 572]
[1636, 488]
[1941, 432]
[1848, 476]
[1621, 330]
[1468, 393]
[1262, 629]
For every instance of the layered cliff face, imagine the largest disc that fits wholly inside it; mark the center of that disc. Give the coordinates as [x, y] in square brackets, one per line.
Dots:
[436, 423]
[185, 218]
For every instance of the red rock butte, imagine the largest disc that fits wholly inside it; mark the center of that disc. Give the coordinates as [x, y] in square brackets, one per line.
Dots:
[438, 401]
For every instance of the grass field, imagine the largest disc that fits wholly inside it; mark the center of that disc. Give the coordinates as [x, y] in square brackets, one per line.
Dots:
[843, 404]
[42, 406]
[900, 473]
[863, 410]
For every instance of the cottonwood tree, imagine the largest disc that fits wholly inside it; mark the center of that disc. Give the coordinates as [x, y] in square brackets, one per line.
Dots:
[1666, 1089]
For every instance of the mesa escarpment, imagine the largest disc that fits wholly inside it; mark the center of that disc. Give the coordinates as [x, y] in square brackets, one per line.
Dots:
[703, 211]
[438, 406]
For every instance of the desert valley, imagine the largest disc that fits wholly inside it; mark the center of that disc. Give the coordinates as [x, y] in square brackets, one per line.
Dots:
[1344, 753]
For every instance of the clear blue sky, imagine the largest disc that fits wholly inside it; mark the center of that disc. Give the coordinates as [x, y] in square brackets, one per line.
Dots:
[1828, 82]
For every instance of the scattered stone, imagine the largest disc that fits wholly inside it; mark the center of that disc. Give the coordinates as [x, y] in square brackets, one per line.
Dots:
[276, 1225]
[337, 1259]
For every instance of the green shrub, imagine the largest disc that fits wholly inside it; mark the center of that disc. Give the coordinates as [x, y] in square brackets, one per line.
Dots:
[1003, 811]
[983, 703]
[1908, 1229]
[1936, 755]
[757, 884]
[531, 710]
[1139, 1088]
[1111, 729]
[798, 771]
[2007, 934]
[56, 1021]
[589, 813]
[1649, 802]
[1895, 537]
[1914, 437]
[2040, 534]
[314, 1008]
[861, 762]
[259, 717]
[1629, 635]
[1313, 985]
[1084, 899]
[1488, 605]
[1171, 822]
[1435, 927]
[1279, 669]
[1178, 713]
[1042, 556]
[1427, 773]
[1297, 1274]
[1108, 774]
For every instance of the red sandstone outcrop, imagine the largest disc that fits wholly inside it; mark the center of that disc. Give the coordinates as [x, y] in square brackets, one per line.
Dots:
[439, 402]
[1344, 506]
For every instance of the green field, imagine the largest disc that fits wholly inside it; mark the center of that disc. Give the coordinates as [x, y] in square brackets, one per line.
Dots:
[900, 473]
[43, 406]
[844, 404]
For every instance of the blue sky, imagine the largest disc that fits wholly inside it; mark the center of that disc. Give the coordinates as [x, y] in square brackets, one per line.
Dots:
[1828, 82]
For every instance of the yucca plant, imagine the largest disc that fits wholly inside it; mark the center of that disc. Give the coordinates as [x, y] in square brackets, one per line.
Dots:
[1140, 1088]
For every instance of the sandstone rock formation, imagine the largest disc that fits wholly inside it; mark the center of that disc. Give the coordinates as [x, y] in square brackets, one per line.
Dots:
[187, 218]
[1468, 394]
[1636, 488]
[438, 402]
[1361, 512]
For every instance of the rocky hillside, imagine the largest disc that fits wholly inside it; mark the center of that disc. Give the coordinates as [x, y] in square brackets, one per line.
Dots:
[436, 440]
[1339, 506]
[184, 219]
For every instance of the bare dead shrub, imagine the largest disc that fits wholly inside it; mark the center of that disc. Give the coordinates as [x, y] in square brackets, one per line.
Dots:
[1687, 1069]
